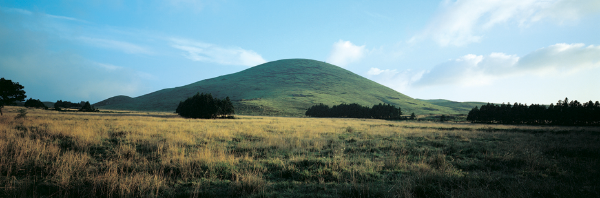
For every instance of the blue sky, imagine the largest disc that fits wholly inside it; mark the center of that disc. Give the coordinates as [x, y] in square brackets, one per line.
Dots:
[529, 51]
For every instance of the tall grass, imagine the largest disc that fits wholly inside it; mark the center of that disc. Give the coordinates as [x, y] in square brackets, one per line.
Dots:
[137, 154]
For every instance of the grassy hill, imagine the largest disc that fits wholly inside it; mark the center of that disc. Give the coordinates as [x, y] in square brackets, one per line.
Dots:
[460, 107]
[283, 88]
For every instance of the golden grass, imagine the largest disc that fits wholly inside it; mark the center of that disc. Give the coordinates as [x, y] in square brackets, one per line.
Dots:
[138, 154]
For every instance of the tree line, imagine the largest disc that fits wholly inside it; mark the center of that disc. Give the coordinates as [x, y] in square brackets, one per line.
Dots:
[67, 104]
[563, 113]
[205, 106]
[82, 106]
[379, 111]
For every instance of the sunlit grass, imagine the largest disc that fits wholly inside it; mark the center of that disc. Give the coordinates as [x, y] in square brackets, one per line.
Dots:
[141, 154]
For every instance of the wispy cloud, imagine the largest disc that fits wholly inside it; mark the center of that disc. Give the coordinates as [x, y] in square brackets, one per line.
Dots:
[27, 12]
[476, 70]
[117, 45]
[68, 76]
[113, 68]
[344, 53]
[65, 18]
[462, 22]
[28, 55]
[205, 52]
[67, 31]
[194, 5]
[377, 16]
[16, 10]
[108, 67]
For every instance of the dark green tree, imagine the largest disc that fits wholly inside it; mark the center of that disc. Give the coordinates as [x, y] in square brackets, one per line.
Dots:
[473, 115]
[319, 110]
[10, 92]
[412, 116]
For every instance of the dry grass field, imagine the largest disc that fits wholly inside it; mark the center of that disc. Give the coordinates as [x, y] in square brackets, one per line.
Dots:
[140, 154]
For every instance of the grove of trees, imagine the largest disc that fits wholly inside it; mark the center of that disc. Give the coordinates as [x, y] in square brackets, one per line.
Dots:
[10, 92]
[66, 104]
[87, 107]
[35, 103]
[379, 111]
[563, 113]
[205, 106]
[82, 106]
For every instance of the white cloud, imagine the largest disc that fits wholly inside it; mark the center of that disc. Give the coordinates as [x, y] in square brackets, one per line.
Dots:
[474, 70]
[198, 51]
[562, 57]
[117, 45]
[344, 53]
[376, 71]
[462, 22]
[399, 81]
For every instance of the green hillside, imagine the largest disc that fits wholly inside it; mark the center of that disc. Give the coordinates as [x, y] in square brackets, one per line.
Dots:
[284, 88]
[460, 107]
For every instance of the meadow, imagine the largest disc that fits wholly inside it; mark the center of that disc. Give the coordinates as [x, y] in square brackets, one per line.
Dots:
[148, 154]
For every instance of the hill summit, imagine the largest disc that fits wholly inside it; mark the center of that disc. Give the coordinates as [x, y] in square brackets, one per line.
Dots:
[283, 88]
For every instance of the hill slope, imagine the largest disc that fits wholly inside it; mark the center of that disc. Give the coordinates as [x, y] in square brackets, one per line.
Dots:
[284, 87]
[460, 107]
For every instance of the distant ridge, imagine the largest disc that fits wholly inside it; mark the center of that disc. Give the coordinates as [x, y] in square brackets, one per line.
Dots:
[282, 88]
[120, 99]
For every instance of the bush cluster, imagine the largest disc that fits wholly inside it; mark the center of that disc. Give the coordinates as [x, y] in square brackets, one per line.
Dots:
[205, 106]
[379, 111]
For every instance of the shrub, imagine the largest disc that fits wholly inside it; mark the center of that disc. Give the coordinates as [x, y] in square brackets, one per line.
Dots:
[22, 114]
